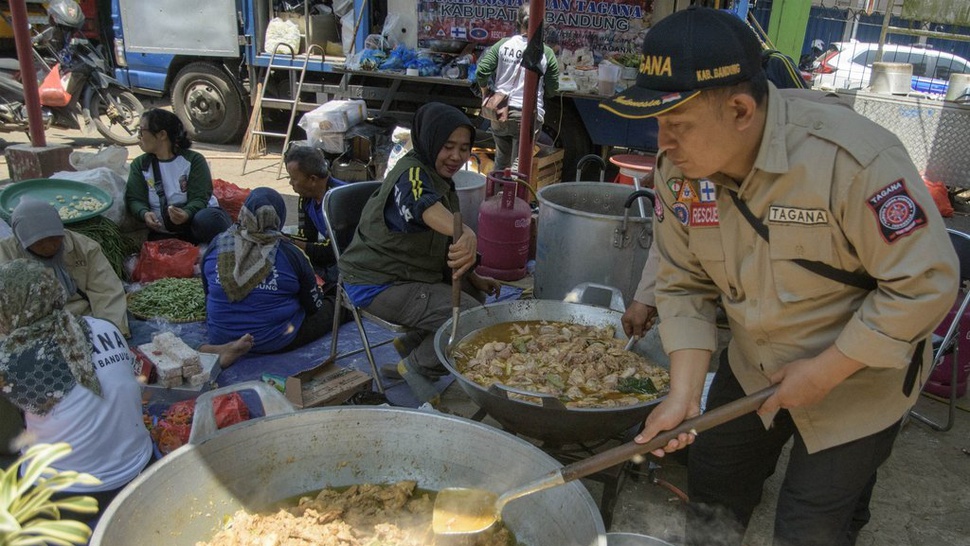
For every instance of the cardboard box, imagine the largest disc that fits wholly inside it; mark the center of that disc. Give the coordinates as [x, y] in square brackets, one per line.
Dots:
[325, 385]
[143, 367]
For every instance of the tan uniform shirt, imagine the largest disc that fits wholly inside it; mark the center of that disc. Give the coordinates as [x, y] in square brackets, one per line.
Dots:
[833, 187]
[91, 272]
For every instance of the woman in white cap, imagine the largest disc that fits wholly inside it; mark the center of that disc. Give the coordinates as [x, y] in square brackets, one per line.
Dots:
[93, 288]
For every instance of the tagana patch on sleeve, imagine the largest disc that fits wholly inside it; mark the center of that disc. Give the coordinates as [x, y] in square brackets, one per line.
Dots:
[896, 211]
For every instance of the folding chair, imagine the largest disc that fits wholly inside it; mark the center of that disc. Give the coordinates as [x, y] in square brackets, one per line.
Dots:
[949, 343]
[342, 207]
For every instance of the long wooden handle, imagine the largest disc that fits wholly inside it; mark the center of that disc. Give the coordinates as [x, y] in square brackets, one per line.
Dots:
[456, 283]
[705, 421]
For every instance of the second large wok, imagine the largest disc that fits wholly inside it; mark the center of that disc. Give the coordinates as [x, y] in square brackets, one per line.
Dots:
[549, 420]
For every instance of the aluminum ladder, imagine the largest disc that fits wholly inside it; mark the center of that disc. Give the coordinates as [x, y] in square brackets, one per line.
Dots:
[255, 132]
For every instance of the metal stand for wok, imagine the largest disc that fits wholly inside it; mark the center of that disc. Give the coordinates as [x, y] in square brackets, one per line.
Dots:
[611, 478]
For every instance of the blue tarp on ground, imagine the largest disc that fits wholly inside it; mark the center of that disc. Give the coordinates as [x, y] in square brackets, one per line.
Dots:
[253, 366]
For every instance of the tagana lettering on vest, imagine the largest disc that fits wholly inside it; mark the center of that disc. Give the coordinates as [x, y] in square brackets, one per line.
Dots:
[790, 215]
[655, 65]
[717, 73]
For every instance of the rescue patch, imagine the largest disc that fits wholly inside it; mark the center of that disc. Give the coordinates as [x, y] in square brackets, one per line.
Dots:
[791, 215]
[898, 214]
[704, 215]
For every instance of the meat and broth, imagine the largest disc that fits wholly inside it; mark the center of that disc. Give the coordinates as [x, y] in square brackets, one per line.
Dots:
[397, 514]
[584, 366]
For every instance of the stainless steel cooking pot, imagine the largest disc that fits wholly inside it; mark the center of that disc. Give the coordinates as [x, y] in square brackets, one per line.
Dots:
[184, 497]
[590, 232]
[547, 418]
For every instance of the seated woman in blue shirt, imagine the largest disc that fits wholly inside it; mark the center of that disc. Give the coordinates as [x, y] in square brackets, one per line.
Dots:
[258, 282]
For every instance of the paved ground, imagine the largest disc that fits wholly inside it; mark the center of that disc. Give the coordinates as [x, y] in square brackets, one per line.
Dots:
[923, 494]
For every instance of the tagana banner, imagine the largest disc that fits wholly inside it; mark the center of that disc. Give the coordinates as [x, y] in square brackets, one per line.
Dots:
[573, 27]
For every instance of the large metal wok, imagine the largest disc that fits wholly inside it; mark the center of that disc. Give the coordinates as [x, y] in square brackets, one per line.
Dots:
[184, 497]
[546, 419]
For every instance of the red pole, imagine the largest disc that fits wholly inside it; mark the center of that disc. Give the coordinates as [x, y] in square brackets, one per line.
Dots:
[25, 52]
[537, 12]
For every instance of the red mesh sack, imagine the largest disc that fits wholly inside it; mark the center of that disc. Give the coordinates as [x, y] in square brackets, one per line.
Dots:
[940, 196]
[231, 197]
[230, 409]
[172, 430]
[163, 259]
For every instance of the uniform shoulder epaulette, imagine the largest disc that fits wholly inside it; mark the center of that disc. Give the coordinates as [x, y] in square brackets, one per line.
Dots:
[860, 137]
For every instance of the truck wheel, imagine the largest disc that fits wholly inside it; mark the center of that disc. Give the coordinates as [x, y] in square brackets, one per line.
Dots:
[209, 104]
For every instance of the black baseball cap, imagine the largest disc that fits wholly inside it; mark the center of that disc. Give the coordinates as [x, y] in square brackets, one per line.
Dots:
[685, 53]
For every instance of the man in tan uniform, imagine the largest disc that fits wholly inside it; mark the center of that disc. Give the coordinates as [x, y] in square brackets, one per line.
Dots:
[812, 226]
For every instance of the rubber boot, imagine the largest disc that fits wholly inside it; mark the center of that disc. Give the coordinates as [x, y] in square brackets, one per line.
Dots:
[421, 386]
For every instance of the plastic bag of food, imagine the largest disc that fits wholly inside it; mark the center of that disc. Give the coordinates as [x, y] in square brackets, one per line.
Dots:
[164, 259]
[172, 429]
[112, 157]
[230, 409]
[401, 137]
[941, 196]
[282, 32]
[231, 197]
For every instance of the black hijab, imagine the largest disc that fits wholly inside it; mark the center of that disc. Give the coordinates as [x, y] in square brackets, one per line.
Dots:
[433, 124]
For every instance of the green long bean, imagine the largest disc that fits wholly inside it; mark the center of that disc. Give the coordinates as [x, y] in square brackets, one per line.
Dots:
[116, 245]
[175, 300]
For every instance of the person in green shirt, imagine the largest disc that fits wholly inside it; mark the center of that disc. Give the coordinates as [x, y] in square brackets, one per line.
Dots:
[169, 186]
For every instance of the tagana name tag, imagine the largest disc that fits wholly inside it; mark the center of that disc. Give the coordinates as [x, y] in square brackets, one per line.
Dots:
[792, 215]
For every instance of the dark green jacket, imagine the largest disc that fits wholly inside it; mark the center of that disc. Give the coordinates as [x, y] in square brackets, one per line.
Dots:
[199, 185]
[378, 255]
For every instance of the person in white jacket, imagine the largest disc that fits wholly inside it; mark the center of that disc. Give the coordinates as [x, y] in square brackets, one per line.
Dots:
[502, 65]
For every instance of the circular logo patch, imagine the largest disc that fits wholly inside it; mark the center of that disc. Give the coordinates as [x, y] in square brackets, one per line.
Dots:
[681, 212]
[898, 212]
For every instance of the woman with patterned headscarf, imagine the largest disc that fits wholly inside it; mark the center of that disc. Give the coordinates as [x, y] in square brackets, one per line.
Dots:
[72, 377]
[258, 283]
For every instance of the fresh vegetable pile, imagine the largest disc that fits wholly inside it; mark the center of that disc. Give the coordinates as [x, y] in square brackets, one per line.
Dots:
[175, 300]
[116, 245]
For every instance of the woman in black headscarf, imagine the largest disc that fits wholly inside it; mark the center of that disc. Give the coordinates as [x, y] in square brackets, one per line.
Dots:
[403, 257]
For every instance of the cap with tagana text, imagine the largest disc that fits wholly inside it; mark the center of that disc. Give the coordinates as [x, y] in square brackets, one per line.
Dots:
[684, 53]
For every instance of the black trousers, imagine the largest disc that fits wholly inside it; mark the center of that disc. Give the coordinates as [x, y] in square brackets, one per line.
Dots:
[824, 499]
[316, 325]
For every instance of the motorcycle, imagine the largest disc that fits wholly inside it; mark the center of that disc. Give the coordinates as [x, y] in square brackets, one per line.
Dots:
[77, 89]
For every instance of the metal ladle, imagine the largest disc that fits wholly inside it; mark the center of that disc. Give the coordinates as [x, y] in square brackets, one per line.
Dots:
[459, 510]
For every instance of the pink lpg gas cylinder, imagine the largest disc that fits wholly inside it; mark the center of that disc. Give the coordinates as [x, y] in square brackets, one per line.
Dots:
[504, 221]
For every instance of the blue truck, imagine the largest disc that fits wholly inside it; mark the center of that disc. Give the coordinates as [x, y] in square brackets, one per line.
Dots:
[208, 57]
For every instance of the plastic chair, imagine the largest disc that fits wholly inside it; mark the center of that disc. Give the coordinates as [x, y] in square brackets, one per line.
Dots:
[948, 344]
[342, 207]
